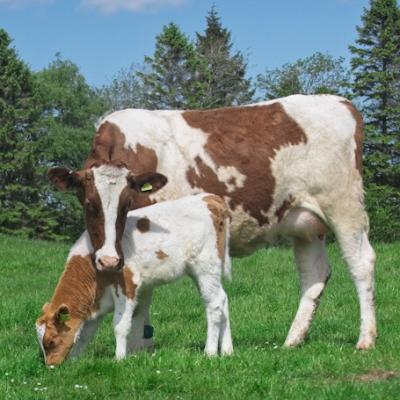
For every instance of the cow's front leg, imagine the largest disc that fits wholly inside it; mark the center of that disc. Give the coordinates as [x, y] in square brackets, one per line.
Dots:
[141, 337]
[124, 309]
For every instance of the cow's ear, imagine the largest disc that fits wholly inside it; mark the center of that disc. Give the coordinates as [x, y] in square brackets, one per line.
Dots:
[147, 183]
[62, 314]
[64, 179]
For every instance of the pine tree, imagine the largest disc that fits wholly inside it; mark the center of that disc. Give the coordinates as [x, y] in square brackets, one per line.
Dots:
[22, 206]
[171, 77]
[376, 68]
[225, 79]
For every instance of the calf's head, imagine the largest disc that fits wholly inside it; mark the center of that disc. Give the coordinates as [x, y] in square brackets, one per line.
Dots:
[107, 193]
[57, 333]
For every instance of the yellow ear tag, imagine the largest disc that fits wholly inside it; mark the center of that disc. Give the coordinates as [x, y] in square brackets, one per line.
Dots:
[146, 187]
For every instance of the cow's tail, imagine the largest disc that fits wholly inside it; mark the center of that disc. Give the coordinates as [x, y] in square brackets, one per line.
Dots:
[227, 263]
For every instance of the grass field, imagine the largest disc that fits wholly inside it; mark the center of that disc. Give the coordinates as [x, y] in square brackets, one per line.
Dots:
[263, 299]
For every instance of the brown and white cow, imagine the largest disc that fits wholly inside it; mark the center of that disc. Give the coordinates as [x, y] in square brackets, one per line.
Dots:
[291, 166]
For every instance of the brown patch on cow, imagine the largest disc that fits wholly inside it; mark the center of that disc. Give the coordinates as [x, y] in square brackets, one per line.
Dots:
[284, 208]
[219, 213]
[161, 255]
[125, 283]
[91, 202]
[246, 138]
[358, 134]
[143, 225]
[108, 148]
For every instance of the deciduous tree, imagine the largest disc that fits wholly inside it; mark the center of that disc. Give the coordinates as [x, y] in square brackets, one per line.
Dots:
[316, 74]
[69, 110]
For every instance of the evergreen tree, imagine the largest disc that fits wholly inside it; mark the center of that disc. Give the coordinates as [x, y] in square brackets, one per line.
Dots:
[376, 68]
[316, 74]
[225, 79]
[171, 77]
[21, 201]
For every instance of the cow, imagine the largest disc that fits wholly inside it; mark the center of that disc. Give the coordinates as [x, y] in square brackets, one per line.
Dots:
[161, 244]
[291, 167]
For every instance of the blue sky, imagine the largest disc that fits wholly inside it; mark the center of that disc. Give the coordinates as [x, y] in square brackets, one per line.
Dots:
[103, 36]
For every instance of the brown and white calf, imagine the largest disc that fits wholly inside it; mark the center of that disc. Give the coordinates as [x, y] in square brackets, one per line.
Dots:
[291, 166]
[161, 243]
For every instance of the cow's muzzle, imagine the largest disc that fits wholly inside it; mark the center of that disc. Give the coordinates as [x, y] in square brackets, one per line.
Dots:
[107, 263]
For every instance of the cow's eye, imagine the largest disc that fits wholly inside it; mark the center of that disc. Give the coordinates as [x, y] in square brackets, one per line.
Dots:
[90, 206]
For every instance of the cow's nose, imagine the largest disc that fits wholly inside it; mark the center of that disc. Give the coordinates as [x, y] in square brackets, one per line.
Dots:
[107, 262]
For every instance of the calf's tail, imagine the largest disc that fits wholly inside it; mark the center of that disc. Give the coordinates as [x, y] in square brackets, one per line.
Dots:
[227, 264]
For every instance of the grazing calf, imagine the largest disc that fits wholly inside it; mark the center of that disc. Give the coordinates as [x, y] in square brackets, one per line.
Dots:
[161, 243]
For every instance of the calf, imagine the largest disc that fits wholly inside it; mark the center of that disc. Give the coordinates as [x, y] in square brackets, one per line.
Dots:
[161, 243]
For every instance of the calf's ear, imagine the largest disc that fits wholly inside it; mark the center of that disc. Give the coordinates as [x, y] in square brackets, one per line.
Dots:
[64, 178]
[147, 183]
[62, 314]
[45, 307]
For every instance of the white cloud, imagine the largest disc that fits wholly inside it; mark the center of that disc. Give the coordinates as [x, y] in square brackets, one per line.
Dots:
[112, 6]
[104, 6]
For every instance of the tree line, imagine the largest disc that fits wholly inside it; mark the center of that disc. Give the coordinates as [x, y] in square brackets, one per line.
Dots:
[47, 117]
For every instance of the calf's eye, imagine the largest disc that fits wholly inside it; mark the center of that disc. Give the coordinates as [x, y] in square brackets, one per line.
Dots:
[50, 343]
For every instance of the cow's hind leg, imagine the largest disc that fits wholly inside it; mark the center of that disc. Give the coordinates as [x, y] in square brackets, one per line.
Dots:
[360, 258]
[314, 271]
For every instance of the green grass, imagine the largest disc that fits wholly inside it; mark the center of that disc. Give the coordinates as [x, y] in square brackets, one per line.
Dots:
[263, 299]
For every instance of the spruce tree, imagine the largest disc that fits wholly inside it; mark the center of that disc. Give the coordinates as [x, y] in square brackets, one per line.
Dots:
[376, 69]
[225, 79]
[22, 206]
[171, 77]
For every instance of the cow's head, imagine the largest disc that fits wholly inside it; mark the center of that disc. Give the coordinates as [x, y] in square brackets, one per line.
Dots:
[107, 193]
[57, 333]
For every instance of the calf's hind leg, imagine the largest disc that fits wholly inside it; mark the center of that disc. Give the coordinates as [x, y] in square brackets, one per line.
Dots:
[314, 272]
[216, 304]
[225, 337]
